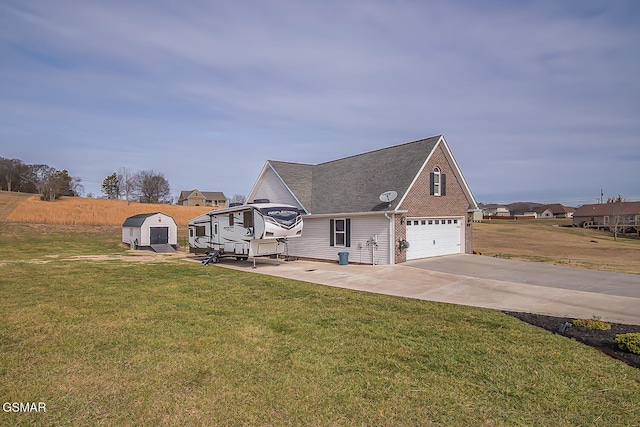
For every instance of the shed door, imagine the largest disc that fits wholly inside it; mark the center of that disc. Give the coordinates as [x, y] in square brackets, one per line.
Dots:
[159, 235]
[434, 236]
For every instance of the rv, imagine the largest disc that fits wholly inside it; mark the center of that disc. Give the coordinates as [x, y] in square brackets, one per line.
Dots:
[245, 231]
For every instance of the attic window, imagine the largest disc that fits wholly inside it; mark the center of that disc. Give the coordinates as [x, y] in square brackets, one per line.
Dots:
[438, 184]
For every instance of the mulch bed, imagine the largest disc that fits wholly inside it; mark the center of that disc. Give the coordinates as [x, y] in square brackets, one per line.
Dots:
[604, 341]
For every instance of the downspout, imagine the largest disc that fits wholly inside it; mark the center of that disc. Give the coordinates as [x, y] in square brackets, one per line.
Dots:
[392, 244]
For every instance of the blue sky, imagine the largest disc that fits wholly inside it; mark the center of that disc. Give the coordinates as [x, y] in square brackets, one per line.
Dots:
[538, 100]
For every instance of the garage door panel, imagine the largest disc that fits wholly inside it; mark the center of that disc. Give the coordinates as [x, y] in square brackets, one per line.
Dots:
[433, 237]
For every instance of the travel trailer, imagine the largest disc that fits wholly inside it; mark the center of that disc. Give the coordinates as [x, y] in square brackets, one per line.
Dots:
[246, 231]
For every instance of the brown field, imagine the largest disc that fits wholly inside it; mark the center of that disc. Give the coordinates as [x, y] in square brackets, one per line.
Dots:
[547, 241]
[79, 211]
[76, 211]
[9, 201]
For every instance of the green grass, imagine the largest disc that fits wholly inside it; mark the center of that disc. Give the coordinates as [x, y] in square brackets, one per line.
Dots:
[45, 241]
[177, 343]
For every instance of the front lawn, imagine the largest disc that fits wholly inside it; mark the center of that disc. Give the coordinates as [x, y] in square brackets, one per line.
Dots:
[178, 343]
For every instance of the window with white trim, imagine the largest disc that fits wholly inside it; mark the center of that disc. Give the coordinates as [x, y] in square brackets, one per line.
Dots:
[340, 232]
[438, 183]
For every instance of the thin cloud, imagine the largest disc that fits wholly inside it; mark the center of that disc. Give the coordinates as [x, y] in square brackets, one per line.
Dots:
[516, 87]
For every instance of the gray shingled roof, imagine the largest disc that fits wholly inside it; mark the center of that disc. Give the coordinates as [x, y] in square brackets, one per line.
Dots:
[353, 184]
[137, 220]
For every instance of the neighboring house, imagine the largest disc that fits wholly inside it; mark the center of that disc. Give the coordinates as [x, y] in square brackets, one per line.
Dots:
[555, 210]
[495, 210]
[196, 197]
[344, 209]
[543, 212]
[622, 214]
[151, 230]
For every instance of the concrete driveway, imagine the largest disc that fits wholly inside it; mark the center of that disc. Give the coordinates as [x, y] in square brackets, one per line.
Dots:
[532, 273]
[478, 281]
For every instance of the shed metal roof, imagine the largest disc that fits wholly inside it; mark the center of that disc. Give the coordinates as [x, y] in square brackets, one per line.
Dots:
[138, 220]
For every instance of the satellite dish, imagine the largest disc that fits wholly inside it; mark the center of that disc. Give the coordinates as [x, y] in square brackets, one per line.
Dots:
[388, 196]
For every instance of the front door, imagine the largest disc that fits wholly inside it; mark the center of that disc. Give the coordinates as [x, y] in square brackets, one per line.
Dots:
[159, 235]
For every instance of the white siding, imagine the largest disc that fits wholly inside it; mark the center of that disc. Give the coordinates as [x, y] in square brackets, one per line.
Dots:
[143, 234]
[271, 187]
[129, 234]
[314, 242]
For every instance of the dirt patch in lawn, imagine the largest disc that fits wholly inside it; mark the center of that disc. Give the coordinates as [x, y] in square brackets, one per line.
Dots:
[604, 341]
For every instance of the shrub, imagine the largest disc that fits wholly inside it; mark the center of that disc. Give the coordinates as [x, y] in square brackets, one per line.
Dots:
[629, 342]
[592, 324]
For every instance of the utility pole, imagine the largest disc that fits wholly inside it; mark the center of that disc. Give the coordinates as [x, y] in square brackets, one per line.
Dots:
[601, 195]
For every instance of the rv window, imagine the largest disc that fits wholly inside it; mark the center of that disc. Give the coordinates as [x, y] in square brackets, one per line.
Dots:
[191, 232]
[200, 230]
[247, 218]
[230, 219]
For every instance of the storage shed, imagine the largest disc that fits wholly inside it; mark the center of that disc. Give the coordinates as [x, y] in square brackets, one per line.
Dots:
[156, 231]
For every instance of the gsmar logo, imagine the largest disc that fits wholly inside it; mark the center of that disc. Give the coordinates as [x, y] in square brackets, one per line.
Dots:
[24, 407]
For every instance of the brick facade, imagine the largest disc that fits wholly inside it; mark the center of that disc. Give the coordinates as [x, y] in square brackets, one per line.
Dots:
[419, 203]
[401, 234]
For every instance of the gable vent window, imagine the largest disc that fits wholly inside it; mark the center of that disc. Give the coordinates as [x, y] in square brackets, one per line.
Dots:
[438, 183]
[340, 232]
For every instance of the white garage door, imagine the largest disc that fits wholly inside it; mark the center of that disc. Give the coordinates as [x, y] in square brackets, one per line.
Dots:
[429, 237]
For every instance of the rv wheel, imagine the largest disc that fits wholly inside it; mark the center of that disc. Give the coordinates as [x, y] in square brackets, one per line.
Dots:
[241, 258]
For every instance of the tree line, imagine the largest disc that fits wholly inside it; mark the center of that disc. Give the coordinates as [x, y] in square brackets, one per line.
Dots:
[49, 182]
[145, 186]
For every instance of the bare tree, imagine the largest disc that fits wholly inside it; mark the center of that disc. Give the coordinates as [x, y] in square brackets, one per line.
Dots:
[617, 218]
[238, 198]
[126, 183]
[75, 186]
[49, 182]
[12, 172]
[153, 187]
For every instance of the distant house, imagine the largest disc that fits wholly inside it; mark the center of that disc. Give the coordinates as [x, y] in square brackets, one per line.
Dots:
[196, 197]
[386, 206]
[555, 210]
[495, 210]
[151, 230]
[625, 215]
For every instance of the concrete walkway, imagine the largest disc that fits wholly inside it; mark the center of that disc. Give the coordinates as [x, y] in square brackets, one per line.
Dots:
[418, 282]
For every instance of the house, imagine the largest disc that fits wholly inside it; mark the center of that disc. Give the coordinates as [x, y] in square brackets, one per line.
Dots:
[624, 215]
[493, 209]
[156, 231]
[196, 197]
[385, 206]
[555, 210]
